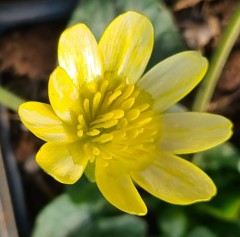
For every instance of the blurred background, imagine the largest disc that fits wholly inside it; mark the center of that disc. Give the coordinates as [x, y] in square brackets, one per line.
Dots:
[29, 32]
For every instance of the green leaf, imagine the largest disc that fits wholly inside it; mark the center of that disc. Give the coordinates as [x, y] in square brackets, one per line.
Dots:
[64, 218]
[95, 14]
[201, 231]
[119, 226]
[85, 191]
[225, 206]
[98, 14]
[222, 156]
[84, 212]
[173, 222]
[61, 218]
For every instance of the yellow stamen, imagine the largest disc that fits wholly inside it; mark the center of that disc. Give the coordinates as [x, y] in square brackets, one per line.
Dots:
[95, 151]
[127, 104]
[132, 114]
[113, 97]
[107, 124]
[93, 132]
[86, 106]
[80, 133]
[103, 87]
[103, 138]
[96, 102]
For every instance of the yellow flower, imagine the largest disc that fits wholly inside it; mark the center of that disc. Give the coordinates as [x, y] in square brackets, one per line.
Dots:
[106, 120]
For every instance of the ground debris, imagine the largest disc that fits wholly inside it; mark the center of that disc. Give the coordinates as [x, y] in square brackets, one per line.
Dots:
[201, 23]
[30, 51]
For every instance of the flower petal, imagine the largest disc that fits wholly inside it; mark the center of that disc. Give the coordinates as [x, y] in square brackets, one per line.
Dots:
[64, 96]
[118, 188]
[126, 46]
[190, 132]
[56, 160]
[172, 79]
[175, 180]
[40, 119]
[78, 54]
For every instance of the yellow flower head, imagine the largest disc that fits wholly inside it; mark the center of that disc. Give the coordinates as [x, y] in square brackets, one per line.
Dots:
[107, 120]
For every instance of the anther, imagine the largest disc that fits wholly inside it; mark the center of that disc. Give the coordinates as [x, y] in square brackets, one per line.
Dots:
[80, 133]
[93, 132]
[127, 104]
[107, 137]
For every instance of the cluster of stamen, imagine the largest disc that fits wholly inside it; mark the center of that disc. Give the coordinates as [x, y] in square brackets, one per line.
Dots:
[119, 115]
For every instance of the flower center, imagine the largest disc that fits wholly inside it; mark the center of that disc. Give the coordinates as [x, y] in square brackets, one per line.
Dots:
[117, 117]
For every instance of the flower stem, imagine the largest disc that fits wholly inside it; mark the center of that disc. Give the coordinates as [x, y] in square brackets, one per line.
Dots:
[9, 99]
[217, 63]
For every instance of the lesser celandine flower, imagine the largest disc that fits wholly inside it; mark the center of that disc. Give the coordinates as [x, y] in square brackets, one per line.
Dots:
[107, 120]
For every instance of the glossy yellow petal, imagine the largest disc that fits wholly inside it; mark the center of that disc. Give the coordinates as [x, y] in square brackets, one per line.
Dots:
[64, 96]
[56, 160]
[175, 180]
[126, 46]
[78, 54]
[41, 120]
[118, 188]
[192, 132]
[172, 79]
